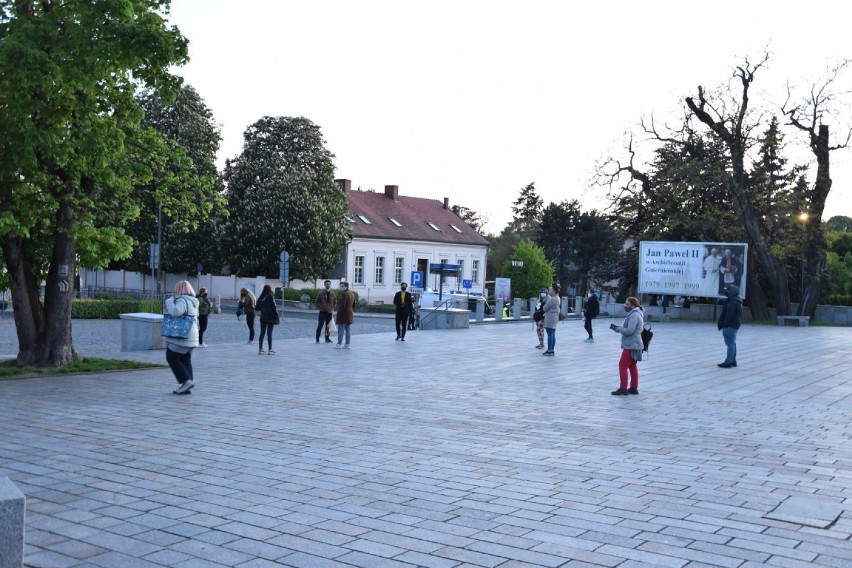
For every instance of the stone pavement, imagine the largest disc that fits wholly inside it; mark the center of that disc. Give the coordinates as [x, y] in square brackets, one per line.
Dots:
[457, 448]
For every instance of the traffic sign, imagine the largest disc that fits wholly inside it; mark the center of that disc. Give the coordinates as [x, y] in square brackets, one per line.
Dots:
[416, 279]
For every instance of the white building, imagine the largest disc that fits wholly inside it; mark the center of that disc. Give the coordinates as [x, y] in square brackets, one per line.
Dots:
[394, 235]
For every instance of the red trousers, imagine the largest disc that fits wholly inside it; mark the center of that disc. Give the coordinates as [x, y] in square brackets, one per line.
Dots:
[627, 363]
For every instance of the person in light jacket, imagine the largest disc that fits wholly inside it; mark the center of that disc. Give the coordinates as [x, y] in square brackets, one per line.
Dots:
[631, 346]
[551, 318]
[179, 350]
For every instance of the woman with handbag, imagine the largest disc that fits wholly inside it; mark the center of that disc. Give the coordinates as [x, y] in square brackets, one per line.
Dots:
[268, 318]
[180, 309]
[631, 346]
[552, 315]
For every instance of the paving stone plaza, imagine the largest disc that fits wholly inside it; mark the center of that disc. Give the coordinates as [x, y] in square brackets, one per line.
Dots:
[457, 448]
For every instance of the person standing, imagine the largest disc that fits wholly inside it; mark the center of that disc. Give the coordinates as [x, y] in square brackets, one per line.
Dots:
[268, 318]
[179, 349]
[204, 307]
[729, 324]
[593, 308]
[551, 318]
[538, 318]
[247, 303]
[404, 306]
[345, 315]
[631, 346]
[326, 302]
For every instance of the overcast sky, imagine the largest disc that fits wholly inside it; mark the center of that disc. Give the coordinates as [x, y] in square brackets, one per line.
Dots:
[473, 100]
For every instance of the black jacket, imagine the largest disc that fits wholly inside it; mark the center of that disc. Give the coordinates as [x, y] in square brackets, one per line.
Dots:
[593, 307]
[406, 307]
[267, 308]
[731, 313]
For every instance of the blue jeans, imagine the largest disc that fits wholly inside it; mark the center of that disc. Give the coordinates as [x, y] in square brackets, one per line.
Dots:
[551, 338]
[730, 336]
[343, 329]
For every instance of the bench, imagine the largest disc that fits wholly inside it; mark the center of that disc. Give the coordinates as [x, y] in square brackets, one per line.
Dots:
[12, 508]
[801, 321]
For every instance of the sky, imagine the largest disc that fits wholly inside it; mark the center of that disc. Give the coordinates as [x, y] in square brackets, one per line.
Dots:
[474, 99]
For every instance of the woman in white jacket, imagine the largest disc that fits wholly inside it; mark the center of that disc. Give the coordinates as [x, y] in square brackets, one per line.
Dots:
[179, 350]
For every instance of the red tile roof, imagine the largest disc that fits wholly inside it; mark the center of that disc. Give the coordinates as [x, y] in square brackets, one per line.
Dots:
[413, 214]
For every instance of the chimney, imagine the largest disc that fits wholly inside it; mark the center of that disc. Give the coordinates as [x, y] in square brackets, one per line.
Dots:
[392, 191]
[345, 184]
[446, 203]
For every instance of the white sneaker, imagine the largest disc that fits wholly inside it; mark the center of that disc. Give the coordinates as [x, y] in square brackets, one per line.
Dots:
[347, 346]
[203, 345]
[184, 386]
[338, 346]
[249, 342]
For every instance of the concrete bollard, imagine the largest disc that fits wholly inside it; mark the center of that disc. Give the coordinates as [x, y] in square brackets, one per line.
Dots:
[12, 511]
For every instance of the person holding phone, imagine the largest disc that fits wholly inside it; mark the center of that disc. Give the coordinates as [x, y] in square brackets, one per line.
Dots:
[631, 346]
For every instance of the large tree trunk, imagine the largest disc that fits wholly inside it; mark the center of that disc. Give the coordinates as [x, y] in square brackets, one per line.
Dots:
[815, 246]
[756, 296]
[44, 331]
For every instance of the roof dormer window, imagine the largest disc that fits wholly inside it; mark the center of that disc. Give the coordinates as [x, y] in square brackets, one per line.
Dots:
[395, 222]
[434, 226]
[366, 221]
[455, 228]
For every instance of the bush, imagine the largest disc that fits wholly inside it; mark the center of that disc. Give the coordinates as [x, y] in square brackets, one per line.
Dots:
[111, 309]
[840, 300]
[295, 294]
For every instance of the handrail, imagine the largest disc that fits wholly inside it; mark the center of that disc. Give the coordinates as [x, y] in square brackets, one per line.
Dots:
[446, 304]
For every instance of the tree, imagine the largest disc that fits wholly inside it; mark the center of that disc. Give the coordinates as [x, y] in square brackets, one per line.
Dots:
[500, 248]
[471, 217]
[72, 148]
[187, 125]
[527, 211]
[557, 235]
[535, 274]
[282, 196]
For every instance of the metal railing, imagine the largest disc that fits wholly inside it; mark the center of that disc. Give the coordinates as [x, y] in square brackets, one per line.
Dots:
[446, 305]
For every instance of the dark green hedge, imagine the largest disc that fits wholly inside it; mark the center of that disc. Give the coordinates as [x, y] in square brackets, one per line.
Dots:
[295, 294]
[840, 300]
[110, 309]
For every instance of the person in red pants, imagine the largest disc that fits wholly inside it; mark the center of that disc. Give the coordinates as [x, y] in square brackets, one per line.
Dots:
[631, 346]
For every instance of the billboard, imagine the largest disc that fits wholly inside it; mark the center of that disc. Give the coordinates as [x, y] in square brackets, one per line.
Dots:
[692, 269]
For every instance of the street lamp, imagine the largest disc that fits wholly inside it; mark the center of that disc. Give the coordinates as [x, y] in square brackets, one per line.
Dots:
[517, 263]
[803, 218]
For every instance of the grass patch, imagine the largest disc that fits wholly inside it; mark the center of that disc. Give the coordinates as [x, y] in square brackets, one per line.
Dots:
[8, 369]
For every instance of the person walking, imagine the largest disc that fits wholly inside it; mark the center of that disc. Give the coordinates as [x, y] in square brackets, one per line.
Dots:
[593, 308]
[551, 318]
[631, 346]
[538, 318]
[204, 308]
[268, 318]
[179, 349]
[404, 306]
[345, 315]
[729, 324]
[326, 302]
[247, 304]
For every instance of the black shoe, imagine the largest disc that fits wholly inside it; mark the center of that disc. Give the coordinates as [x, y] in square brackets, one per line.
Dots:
[402, 339]
[726, 365]
[620, 392]
[632, 391]
[327, 340]
[734, 364]
[397, 338]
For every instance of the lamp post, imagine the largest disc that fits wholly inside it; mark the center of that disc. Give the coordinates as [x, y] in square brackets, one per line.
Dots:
[803, 218]
[517, 263]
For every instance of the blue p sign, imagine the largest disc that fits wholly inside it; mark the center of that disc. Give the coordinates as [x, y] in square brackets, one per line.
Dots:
[416, 279]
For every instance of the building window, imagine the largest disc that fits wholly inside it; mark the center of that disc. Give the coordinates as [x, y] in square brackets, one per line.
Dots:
[380, 271]
[460, 262]
[456, 228]
[395, 222]
[434, 226]
[397, 270]
[358, 276]
[363, 218]
[474, 271]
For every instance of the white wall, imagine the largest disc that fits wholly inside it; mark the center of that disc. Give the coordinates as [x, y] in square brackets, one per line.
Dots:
[410, 252]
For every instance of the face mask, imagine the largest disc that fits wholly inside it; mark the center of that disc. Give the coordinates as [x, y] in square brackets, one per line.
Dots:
[544, 294]
[328, 286]
[403, 288]
[628, 307]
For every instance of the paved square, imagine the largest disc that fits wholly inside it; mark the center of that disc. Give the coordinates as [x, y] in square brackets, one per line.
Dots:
[454, 449]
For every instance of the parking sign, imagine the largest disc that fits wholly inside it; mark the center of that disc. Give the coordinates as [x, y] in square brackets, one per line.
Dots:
[416, 279]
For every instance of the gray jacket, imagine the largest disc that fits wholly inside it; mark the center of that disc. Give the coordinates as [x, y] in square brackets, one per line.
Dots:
[551, 312]
[177, 307]
[631, 330]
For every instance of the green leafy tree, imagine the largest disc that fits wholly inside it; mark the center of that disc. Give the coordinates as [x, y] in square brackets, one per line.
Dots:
[500, 248]
[72, 148]
[282, 196]
[535, 274]
[526, 212]
[556, 237]
[188, 236]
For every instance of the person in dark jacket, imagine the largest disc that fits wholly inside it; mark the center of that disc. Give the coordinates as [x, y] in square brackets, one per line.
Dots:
[729, 323]
[268, 318]
[326, 304]
[404, 306]
[593, 308]
[247, 302]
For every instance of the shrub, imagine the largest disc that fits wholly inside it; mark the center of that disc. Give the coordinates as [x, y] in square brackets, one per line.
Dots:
[111, 309]
[295, 294]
